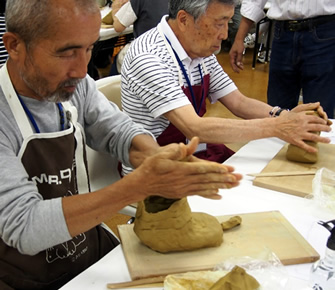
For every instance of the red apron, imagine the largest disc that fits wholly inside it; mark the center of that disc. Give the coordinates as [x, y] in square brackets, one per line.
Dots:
[56, 163]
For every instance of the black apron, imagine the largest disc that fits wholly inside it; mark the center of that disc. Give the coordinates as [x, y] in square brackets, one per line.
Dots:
[56, 162]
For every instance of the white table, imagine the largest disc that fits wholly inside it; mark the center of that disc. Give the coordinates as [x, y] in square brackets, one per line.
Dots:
[303, 214]
[107, 33]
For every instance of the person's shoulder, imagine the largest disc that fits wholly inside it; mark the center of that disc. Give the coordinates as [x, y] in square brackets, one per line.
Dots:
[151, 35]
[148, 41]
[210, 60]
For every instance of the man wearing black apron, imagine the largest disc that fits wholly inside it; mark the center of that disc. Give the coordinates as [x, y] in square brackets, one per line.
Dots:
[50, 160]
[51, 224]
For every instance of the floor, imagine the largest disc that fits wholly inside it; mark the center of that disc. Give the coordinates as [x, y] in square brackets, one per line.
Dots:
[251, 82]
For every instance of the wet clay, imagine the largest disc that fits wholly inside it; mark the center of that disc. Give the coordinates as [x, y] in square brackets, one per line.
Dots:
[295, 153]
[232, 222]
[167, 225]
[236, 279]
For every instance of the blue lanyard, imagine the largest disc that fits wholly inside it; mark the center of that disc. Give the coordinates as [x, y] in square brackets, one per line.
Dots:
[32, 120]
[197, 109]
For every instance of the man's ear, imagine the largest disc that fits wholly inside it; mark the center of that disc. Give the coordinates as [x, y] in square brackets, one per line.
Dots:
[14, 44]
[183, 19]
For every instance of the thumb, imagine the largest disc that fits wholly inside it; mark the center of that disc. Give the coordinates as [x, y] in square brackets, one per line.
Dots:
[181, 151]
[191, 147]
[188, 149]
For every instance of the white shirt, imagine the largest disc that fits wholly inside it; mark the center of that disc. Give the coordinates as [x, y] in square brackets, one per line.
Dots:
[287, 9]
[126, 15]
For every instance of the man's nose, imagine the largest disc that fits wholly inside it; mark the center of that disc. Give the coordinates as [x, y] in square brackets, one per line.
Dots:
[79, 66]
[223, 33]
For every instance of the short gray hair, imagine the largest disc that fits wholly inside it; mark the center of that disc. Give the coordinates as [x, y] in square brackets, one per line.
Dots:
[194, 7]
[34, 19]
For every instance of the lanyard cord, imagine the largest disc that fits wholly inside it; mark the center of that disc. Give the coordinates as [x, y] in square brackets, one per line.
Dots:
[61, 116]
[32, 120]
[197, 109]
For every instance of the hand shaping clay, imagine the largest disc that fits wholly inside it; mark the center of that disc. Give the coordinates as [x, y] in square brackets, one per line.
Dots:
[167, 225]
[295, 153]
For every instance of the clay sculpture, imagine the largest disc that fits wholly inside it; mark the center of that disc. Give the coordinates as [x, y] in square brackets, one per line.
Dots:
[168, 225]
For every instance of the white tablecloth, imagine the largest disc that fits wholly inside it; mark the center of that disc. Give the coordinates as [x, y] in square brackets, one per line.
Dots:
[107, 33]
[303, 214]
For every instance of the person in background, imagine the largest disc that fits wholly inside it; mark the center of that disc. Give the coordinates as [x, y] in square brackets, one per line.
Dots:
[50, 223]
[169, 71]
[142, 14]
[3, 51]
[302, 52]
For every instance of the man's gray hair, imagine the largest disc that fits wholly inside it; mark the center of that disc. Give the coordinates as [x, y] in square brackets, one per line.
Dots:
[33, 19]
[194, 7]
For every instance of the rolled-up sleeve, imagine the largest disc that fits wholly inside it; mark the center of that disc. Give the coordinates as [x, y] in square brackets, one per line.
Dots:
[253, 10]
[126, 15]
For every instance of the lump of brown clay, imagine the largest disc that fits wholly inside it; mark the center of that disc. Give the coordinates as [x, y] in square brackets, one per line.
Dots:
[167, 225]
[297, 154]
[236, 279]
[231, 223]
[175, 228]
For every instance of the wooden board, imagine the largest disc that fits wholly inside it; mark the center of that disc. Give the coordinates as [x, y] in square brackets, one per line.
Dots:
[258, 232]
[295, 185]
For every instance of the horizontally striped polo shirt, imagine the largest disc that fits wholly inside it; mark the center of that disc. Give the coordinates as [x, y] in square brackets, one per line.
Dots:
[3, 51]
[150, 78]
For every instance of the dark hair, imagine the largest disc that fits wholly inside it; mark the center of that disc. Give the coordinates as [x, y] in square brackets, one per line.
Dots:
[194, 7]
[2, 7]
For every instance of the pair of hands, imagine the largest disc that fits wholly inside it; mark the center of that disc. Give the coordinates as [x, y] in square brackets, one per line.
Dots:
[173, 172]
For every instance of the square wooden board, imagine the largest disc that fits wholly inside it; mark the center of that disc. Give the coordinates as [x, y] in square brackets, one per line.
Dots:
[295, 185]
[258, 232]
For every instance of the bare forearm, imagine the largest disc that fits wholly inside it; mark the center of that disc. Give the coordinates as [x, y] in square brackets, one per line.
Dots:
[236, 51]
[219, 130]
[244, 28]
[248, 108]
[142, 147]
[291, 127]
[85, 211]
[117, 4]
[117, 25]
